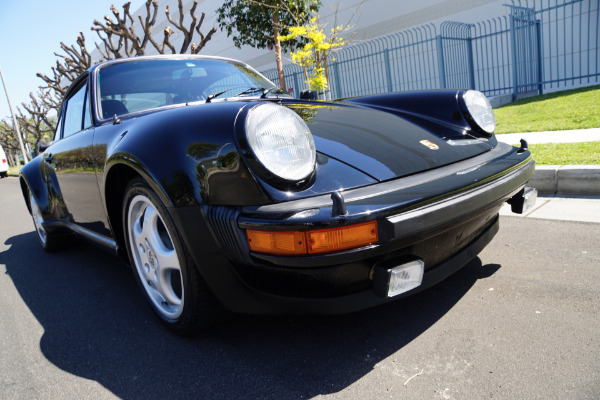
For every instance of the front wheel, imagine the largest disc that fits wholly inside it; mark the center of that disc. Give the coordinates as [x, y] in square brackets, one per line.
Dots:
[50, 241]
[162, 266]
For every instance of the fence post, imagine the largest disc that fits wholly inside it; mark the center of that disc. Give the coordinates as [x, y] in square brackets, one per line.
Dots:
[540, 57]
[471, 62]
[388, 70]
[336, 74]
[442, 70]
[513, 35]
[296, 86]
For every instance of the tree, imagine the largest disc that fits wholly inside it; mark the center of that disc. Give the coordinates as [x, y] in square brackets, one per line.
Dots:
[315, 52]
[259, 23]
[35, 124]
[9, 141]
[119, 38]
[127, 43]
[68, 66]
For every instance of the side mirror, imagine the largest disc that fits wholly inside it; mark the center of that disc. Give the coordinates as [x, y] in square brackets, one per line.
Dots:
[42, 146]
[309, 95]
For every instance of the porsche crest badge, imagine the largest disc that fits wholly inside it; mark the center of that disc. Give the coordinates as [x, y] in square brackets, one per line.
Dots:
[429, 144]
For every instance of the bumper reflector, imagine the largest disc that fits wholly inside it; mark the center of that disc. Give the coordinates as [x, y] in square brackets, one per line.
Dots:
[390, 281]
[313, 241]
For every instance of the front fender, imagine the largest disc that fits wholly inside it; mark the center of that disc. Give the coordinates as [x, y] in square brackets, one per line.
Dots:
[39, 178]
[187, 154]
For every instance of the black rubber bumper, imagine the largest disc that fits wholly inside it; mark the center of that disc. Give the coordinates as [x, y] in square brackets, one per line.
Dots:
[237, 296]
[464, 220]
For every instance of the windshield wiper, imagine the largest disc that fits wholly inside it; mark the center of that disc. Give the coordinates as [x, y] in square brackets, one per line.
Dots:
[213, 95]
[265, 92]
[271, 90]
[249, 90]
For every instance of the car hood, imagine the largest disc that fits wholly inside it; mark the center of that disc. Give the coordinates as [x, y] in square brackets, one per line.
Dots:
[385, 145]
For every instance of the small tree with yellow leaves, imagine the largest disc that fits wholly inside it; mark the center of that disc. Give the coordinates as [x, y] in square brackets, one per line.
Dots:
[315, 52]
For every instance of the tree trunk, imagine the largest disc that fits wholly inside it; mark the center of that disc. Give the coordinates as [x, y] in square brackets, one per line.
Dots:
[328, 88]
[278, 50]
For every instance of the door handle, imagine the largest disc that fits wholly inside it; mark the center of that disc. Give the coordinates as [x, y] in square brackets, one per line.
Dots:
[49, 158]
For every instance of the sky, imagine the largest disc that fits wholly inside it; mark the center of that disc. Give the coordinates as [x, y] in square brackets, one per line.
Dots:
[31, 31]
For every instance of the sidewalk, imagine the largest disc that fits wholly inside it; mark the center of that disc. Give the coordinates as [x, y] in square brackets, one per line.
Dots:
[562, 180]
[561, 208]
[573, 136]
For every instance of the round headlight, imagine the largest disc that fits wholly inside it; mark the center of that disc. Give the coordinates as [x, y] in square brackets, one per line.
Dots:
[481, 110]
[281, 141]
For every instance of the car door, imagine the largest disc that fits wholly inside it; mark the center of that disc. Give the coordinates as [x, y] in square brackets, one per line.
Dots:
[72, 158]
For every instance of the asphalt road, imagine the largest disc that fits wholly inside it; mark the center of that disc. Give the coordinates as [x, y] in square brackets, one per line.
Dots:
[519, 322]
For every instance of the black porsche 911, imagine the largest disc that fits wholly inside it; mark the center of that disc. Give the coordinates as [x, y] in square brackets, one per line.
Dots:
[224, 193]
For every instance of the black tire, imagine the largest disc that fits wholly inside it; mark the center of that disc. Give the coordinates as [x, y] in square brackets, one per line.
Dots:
[3, 174]
[49, 241]
[162, 266]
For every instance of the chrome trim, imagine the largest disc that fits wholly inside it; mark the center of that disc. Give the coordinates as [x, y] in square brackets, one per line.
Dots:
[382, 188]
[87, 234]
[461, 205]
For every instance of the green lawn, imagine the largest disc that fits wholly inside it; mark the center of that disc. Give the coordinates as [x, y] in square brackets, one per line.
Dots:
[14, 170]
[569, 109]
[566, 153]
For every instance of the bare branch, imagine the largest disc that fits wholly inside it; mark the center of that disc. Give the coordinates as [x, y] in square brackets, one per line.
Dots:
[148, 23]
[168, 32]
[203, 39]
[34, 122]
[118, 38]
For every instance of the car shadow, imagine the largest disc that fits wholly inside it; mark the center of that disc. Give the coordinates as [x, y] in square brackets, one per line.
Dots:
[98, 326]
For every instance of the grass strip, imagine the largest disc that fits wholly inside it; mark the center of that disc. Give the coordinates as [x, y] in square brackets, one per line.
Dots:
[14, 171]
[565, 110]
[586, 153]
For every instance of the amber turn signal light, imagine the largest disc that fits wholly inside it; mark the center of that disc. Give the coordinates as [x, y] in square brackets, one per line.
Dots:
[314, 241]
[277, 242]
[343, 238]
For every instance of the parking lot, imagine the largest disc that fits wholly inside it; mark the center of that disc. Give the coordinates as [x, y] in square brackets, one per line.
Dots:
[521, 321]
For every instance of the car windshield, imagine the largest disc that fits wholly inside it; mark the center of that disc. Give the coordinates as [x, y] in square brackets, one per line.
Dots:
[145, 84]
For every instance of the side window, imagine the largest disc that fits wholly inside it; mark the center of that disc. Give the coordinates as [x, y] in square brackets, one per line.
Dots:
[73, 118]
[87, 116]
[58, 129]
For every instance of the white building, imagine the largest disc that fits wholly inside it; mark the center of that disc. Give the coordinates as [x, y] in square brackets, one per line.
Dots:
[368, 18]
[528, 46]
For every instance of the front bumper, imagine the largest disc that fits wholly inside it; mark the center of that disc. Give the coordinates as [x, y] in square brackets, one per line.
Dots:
[445, 217]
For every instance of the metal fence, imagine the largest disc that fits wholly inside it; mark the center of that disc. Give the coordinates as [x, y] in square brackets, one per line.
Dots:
[539, 46]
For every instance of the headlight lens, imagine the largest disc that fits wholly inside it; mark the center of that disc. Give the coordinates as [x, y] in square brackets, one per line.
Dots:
[481, 110]
[281, 141]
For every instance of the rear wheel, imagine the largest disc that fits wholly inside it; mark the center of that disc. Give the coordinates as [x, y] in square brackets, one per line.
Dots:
[162, 266]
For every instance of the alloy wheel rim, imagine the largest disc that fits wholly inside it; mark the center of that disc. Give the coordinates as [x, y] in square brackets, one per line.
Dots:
[155, 258]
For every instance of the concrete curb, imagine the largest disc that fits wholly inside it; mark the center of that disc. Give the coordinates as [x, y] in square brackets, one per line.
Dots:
[567, 180]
